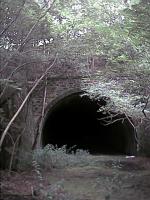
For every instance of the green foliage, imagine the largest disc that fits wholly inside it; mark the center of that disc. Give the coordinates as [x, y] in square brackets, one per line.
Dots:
[48, 158]
[53, 157]
[79, 30]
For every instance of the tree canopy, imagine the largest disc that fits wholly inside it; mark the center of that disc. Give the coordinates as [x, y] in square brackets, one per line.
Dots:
[117, 32]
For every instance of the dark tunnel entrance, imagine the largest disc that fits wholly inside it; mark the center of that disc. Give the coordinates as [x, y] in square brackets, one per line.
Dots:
[74, 120]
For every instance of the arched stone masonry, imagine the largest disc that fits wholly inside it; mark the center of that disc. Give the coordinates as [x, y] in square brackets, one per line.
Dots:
[72, 119]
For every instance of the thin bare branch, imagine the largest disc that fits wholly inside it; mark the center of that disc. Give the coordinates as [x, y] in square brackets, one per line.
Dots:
[24, 102]
[114, 121]
[110, 116]
[42, 117]
[135, 132]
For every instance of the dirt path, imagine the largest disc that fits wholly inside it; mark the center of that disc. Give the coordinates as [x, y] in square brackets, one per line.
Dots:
[107, 177]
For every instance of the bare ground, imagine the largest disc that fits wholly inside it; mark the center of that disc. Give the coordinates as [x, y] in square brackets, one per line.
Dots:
[106, 177]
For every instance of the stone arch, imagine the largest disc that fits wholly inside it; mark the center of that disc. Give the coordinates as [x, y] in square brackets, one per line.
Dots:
[72, 119]
[59, 98]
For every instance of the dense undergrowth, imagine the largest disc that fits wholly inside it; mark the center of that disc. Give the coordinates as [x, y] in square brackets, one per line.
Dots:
[47, 159]
[53, 157]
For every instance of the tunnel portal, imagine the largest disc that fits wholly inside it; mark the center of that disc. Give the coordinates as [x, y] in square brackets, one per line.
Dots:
[75, 121]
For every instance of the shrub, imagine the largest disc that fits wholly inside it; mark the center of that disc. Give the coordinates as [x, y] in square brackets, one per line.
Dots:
[57, 157]
[54, 157]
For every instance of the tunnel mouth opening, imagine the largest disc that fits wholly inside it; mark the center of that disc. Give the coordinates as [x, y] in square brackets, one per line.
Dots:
[75, 121]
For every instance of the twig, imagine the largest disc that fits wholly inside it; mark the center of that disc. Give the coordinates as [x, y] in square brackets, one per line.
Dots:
[109, 116]
[114, 121]
[135, 132]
